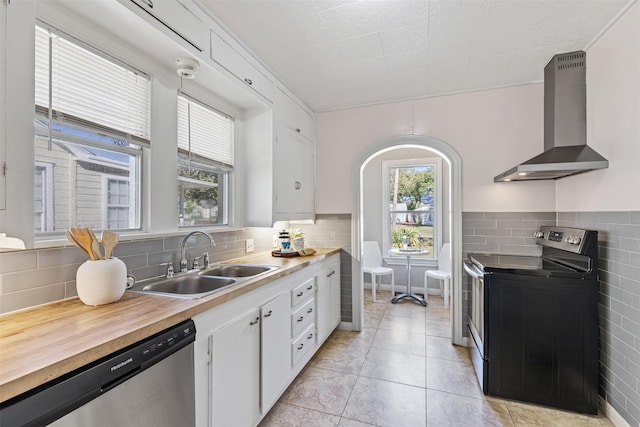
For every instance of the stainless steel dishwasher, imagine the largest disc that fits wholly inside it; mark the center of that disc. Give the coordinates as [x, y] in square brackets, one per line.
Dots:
[150, 383]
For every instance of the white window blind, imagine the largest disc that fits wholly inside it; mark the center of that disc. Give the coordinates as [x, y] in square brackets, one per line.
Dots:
[90, 88]
[204, 131]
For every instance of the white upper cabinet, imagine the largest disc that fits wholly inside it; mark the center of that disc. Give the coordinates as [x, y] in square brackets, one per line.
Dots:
[295, 173]
[291, 114]
[3, 103]
[230, 59]
[181, 17]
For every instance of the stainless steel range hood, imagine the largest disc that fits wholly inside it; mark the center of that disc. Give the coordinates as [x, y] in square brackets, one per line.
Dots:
[565, 126]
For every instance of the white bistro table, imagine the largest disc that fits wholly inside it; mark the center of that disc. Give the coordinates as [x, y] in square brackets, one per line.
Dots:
[409, 253]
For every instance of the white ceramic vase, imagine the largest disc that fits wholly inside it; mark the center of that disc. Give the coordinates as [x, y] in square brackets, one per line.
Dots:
[102, 281]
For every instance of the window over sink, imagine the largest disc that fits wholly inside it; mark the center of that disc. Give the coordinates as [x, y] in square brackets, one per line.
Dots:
[91, 125]
[205, 163]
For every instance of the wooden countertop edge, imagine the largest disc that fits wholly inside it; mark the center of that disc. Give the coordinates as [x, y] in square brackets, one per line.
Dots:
[31, 353]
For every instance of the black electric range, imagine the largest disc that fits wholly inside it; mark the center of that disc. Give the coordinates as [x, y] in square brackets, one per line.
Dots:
[534, 321]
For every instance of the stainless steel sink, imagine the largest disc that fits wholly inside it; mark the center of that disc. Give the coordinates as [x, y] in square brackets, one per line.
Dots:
[236, 270]
[187, 286]
[198, 284]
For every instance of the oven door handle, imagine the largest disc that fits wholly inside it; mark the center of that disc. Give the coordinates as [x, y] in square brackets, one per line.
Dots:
[471, 269]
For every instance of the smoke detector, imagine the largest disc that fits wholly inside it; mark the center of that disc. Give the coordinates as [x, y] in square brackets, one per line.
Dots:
[187, 67]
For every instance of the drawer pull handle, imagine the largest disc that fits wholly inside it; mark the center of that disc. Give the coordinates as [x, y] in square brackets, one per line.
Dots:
[149, 3]
[255, 321]
[300, 346]
[298, 130]
[248, 81]
[300, 319]
[269, 313]
[310, 287]
[310, 310]
[299, 294]
[310, 336]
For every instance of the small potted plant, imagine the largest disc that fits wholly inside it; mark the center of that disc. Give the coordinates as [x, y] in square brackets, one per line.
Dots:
[297, 238]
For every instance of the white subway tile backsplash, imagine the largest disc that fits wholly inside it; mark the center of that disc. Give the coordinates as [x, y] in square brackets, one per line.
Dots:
[17, 261]
[31, 297]
[13, 282]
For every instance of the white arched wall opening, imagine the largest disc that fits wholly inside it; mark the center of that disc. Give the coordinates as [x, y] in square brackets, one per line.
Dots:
[452, 157]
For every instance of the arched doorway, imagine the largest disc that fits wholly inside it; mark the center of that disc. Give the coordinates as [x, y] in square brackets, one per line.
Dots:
[454, 208]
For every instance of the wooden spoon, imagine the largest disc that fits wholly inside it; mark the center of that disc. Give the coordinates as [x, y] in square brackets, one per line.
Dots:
[82, 236]
[109, 241]
[95, 245]
[72, 240]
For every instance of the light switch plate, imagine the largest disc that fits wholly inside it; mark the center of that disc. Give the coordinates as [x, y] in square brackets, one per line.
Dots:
[248, 245]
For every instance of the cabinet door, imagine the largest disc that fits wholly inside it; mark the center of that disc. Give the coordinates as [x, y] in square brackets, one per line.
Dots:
[276, 357]
[178, 18]
[294, 183]
[3, 101]
[225, 55]
[334, 274]
[235, 372]
[293, 115]
[328, 301]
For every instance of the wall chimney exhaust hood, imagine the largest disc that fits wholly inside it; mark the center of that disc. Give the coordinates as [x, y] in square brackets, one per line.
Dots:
[565, 126]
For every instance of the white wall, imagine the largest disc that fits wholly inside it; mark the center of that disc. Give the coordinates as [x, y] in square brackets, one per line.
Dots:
[613, 123]
[491, 130]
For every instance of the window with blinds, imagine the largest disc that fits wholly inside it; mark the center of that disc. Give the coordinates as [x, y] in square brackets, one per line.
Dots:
[205, 162]
[92, 121]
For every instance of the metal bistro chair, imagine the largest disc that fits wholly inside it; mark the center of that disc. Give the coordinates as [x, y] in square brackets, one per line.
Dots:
[372, 264]
[443, 273]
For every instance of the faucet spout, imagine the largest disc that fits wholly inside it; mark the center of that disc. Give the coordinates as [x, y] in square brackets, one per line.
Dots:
[183, 258]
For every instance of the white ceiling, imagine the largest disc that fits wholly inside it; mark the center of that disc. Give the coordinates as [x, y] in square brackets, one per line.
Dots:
[341, 53]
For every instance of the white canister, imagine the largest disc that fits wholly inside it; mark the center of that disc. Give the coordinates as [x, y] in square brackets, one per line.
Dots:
[102, 281]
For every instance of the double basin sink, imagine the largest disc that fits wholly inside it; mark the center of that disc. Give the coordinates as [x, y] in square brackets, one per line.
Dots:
[198, 284]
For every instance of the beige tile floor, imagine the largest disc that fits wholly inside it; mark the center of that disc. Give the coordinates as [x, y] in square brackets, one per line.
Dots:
[402, 370]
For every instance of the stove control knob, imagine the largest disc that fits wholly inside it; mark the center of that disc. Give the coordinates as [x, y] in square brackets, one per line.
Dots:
[538, 234]
[574, 240]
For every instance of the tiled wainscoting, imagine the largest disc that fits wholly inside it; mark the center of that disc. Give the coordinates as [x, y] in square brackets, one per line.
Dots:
[619, 242]
[33, 277]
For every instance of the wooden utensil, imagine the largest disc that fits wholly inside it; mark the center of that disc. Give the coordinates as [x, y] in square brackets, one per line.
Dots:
[109, 241]
[95, 245]
[83, 238]
[72, 240]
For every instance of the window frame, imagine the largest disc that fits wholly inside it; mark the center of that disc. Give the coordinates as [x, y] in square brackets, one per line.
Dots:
[224, 169]
[47, 195]
[430, 259]
[66, 131]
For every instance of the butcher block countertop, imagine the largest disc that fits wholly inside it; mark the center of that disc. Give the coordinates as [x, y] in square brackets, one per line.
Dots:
[42, 343]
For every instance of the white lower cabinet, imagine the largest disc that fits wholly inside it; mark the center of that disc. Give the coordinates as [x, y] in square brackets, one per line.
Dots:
[243, 365]
[235, 372]
[276, 358]
[328, 298]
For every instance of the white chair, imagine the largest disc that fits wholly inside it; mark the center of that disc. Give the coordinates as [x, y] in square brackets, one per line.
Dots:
[372, 264]
[443, 273]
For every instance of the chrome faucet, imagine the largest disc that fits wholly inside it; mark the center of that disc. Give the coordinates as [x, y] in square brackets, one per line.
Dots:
[183, 258]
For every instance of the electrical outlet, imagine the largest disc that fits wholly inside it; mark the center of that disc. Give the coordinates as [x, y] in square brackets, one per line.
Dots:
[248, 245]
[275, 241]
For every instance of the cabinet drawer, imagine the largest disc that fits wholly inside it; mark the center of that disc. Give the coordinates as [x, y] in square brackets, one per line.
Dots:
[304, 344]
[301, 292]
[302, 317]
[225, 55]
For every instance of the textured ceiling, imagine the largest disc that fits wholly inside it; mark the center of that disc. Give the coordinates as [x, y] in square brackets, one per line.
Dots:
[340, 53]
